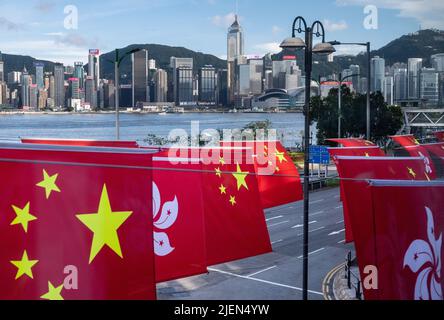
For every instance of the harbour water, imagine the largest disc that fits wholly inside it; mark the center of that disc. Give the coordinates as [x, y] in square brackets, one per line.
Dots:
[138, 126]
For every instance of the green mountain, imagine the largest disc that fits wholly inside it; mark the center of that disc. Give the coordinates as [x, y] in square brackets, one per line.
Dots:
[16, 63]
[162, 55]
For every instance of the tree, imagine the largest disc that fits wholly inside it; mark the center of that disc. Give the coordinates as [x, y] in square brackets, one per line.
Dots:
[385, 120]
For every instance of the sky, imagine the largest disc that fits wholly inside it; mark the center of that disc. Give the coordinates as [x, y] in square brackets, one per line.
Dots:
[49, 29]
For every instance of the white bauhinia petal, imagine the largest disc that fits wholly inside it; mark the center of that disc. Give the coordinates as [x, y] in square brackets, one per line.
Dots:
[422, 286]
[436, 244]
[156, 200]
[418, 254]
[435, 290]
[162, 246]
[168, 216]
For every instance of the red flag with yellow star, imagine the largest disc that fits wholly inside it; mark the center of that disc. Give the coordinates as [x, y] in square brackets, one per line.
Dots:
[75, 223]
[234, 219]
[278, 178]
[352, 142]
[178, 214]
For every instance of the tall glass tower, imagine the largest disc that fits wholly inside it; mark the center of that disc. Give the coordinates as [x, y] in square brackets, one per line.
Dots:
[235, 46]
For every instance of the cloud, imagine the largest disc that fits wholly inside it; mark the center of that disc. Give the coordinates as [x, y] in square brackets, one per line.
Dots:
[347, 50]
[276, 30]
[273, 47]
[335, 26]
[427, 12]
[9, 25]
[224, 21]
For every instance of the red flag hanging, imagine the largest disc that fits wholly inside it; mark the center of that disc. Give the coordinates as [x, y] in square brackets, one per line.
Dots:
[352, 142]
[406, 140]
[75, 223]
[409, 224]
[439, 135]
[371, 151]
[278, 178]
[82, 143]
[179, 230]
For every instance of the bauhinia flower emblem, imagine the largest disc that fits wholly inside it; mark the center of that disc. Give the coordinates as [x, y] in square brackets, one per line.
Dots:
[425, 258]
[164, 216]
[428, 167]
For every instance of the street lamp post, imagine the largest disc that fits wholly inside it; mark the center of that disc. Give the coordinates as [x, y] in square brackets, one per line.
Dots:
[117, 61]
[369, 66]
[317, 29]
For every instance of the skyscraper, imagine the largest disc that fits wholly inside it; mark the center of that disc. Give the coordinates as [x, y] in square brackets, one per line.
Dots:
[140, 76]
[94, 66]
[429, 84]
[90, 92]
[207, 85]
[400, 84]
[74, 88]
[235, 48]
[33, 93]
[377, 74]
[39, 68]
[26, 81]
[438, 62]
[2, 69]
[184, 84]
[79, 73]
[160, 85]
[388, 90]
[414, 70]
[355, 71]
[176, 63]
[59, 85]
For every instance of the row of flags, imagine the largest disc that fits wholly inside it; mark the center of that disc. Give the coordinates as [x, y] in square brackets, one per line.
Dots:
[394, 214]
[109, 220]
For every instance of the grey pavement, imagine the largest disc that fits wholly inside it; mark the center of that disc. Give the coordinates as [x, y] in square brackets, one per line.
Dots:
[277, 275]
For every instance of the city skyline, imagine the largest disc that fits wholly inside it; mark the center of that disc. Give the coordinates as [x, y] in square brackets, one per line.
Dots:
[203, 23]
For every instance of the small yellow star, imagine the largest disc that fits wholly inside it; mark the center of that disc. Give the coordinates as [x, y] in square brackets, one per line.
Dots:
[222, 161]
[233, 200]
[53, 293]
[367, 155]
[23, 216]
[218, 172]
[240, 178]
[223, 189]
[49, 183]
[24, 266]
[281, 156]
[415, 141]
[104, 225]
[266, 148]
[412, 172]
[368, 143]
[278, 169]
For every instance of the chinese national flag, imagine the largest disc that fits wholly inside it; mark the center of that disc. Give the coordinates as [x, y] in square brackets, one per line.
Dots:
[76, 223]
[278, 178]
[405, 141]
[234, 219]
[409, 225]
[352, 142]
[179, 229]
[371, 151]
[439, 135]
[358, 216]
[82, 143]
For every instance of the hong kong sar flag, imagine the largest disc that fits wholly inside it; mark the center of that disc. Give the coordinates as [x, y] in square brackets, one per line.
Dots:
[409, 223]
[74, 223]
[234, 219]
[179, 230]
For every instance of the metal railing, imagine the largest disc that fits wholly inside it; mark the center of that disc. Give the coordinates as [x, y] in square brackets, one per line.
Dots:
[353, 280]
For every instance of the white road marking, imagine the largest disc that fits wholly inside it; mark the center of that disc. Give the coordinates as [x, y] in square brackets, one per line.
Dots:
[339, 207]
[264, 281]
[277, 241]
[340, 222]
[276, 224]
[313, 252]
[317, 201]
[341, 242]
[316, 213]
[336, 232]
[314, 230]
[261, 271]
[274, 218]
[301, 225]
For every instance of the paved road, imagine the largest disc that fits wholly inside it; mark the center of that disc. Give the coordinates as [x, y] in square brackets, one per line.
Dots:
[277, 275]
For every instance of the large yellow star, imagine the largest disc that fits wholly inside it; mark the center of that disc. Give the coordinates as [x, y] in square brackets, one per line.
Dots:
[23, 216]
[54, 294]
[281, 156]
[49, 183]
[24, 266]
[104, 225]
[412, 172]
[240, 178]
